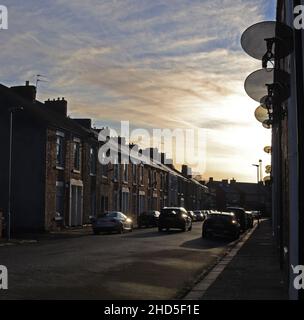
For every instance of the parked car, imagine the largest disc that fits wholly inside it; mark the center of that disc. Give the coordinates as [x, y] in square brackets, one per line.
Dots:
[241, 216]
[174, 217]
[250, 219]
[112, 221]
[199, 215]
[222, 224]
[192, 215]
[148, 219]
[256, 214]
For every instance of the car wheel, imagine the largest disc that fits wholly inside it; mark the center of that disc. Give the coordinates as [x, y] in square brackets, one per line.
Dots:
[237, 235]
[184, 227]
[131, 229]
[160, 229]
[190, 228]
[204, 234]
[121, 230]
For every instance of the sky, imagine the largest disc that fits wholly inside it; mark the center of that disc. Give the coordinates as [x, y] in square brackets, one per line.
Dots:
[158, 64]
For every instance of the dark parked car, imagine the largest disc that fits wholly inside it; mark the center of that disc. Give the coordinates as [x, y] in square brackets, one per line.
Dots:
[222, 224]
[174, 217]
[199, 215]
[148, 219]
[250, 219]
[192, 215]
[112, 221]
[256, 214]
[241, 216]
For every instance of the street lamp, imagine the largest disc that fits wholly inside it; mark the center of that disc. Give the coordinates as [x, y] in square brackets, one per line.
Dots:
[11, 111]
[258, 171]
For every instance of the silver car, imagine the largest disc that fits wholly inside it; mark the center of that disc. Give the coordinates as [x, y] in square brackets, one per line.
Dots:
[112, 221]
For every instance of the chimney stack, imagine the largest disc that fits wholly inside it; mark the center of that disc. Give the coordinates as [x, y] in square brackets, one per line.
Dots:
[58, 106]
[27, 92]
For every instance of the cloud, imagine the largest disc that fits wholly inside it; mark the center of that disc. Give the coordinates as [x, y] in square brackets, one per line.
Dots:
[156, 63]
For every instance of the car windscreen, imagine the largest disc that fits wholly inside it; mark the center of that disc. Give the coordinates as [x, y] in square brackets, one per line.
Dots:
[169, 212]
[221, 218]
[108, 215]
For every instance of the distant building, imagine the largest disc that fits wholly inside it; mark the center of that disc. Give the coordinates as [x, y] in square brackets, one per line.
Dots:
[251, 196]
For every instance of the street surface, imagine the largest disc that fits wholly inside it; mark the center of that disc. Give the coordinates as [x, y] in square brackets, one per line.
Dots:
[144, 264]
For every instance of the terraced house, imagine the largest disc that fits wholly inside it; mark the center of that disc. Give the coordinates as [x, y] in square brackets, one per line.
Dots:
[57, 179]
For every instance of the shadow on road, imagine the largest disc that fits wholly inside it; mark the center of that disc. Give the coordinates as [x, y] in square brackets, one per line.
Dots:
[155, 233]
[200, 243]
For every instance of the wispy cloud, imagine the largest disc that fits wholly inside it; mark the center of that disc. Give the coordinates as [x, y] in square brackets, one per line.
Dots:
[156, 63]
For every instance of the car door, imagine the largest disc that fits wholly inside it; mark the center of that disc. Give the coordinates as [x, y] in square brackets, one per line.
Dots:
[189, 218]
[123, 220]
[126, 223]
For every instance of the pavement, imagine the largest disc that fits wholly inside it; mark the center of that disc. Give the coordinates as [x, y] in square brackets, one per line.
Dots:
[249, 272]
[144, 264]
[46, 236]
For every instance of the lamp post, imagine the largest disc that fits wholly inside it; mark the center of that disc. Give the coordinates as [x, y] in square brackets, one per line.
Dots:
[261, 169]
[258, 171]
[9, 209]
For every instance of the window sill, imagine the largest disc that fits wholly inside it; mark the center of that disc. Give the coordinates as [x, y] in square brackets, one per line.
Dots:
[76, 171]
[59, 168]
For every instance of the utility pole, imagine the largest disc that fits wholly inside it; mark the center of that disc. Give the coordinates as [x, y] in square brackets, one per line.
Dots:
[9, 206]
[258, 172]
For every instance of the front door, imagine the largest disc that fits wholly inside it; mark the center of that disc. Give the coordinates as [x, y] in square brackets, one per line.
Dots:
[76, 206]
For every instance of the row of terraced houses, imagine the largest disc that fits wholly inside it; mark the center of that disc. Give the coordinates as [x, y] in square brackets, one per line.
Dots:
[57, 178]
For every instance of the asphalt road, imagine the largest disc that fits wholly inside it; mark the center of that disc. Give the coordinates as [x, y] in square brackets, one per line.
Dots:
[144, 264]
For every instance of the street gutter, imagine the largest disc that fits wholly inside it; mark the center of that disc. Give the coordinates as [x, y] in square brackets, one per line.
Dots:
[208, 277]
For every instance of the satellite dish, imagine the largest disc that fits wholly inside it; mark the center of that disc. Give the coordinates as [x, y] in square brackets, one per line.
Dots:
[267, 178]
[268, 149]
[268, 82]
[268, 169]
[266, 102]
[267, 41]
[267, 124]
[261, 114]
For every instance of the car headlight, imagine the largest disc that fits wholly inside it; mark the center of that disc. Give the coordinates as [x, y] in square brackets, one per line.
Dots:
[129, 220]
[184, 216]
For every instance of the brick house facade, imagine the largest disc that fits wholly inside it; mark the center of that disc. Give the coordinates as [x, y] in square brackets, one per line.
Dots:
[58, 180]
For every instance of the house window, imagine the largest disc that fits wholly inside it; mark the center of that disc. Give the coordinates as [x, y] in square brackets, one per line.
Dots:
[150, 178]
[125, 202]
[134, 173]
[60, 198]
[93, 160]
[116, 172]
[141, 175]
[154, 179]
[77, 155]
[141, 207]
[93, 204]
[60, 150]
[125, 172]
[104, 206]
[154, 203]
[116, 199]
[135, 205]
[104, 167]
